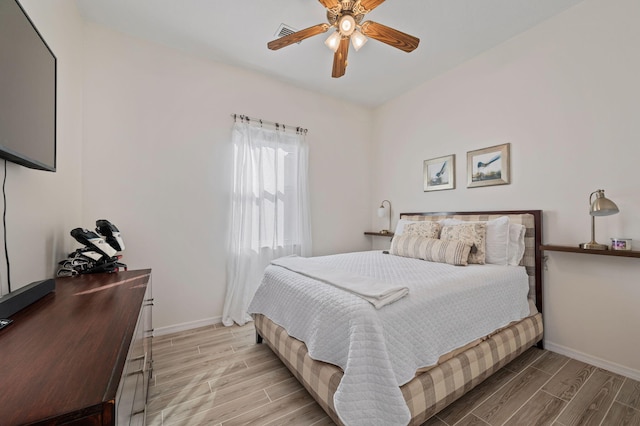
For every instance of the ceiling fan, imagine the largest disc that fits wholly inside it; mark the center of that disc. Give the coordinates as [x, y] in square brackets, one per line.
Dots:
[346, 17]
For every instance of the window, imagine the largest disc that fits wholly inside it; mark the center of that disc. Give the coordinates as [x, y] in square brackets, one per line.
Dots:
[269, 209]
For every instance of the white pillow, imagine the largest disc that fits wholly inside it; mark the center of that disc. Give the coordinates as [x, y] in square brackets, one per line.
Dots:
[515, 248]
[497, 239]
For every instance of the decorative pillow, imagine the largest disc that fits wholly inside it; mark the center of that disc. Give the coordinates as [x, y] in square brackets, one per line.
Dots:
[497, 239]
[515, 249]
[408, 245]
[472, 233]
[401, 224]
[427, 229]
[453, 252]
[411, 245]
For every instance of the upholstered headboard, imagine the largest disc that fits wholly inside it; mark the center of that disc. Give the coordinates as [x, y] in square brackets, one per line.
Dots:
[532, 221]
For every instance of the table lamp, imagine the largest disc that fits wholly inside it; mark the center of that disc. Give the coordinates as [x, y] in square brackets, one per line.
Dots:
[382, 211]
[601, 206]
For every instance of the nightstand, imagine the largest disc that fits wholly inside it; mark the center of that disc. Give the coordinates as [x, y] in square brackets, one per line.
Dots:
[571, 249]
[379, 234]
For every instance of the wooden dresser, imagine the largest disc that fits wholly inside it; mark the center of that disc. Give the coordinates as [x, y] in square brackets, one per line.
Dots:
[81, 355]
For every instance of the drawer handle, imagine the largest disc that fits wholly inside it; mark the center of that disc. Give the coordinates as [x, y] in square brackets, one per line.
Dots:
[140, 371]
[144, 365]
[135, 413]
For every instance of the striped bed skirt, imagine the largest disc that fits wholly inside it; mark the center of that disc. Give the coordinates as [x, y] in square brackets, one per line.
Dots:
[429, 392]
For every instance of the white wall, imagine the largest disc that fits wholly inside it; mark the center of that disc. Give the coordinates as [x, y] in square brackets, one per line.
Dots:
[43, 207]
[154, 126]
[156, 163]
[565, 95]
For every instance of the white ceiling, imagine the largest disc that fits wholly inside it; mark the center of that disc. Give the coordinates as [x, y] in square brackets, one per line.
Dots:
[236, 32]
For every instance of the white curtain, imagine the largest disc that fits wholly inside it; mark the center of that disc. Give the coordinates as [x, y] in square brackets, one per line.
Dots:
[270, 215]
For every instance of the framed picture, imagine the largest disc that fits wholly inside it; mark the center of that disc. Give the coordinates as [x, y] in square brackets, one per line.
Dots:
[488, 166]
[440, 173]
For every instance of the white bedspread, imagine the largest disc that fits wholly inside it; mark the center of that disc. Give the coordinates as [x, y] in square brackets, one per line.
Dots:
[378, 293]
[380, 350]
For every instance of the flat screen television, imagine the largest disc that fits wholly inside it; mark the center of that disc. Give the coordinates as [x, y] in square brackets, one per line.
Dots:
[27, 91]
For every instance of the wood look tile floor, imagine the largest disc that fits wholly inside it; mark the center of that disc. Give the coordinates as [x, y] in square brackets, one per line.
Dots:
[219, 376]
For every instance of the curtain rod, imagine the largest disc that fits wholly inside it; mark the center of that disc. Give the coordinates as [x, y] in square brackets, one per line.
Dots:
[248, 119]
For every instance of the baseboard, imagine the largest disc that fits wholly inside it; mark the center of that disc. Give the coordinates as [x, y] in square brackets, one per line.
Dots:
[590, 359]
[161, 331]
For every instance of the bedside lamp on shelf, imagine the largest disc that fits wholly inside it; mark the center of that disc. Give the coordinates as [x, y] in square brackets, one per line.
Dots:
[601, 206]
[382, 211]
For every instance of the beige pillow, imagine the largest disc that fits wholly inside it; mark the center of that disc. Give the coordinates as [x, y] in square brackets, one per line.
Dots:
[447, 251]
[470, 233]
[431, 249]
[408, 245]
[427, 229]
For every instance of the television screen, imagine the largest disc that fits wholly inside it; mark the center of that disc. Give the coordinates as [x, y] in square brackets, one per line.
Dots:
[27, 91]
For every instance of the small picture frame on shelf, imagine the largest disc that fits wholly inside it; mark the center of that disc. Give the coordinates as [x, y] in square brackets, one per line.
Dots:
[439, 173]
[621, 244]
[488, 166]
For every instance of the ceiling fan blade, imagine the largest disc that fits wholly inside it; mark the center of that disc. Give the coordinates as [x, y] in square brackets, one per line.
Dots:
[340, 59]
[390, 36]
[285, 41]
[329, 4]
[369, 5]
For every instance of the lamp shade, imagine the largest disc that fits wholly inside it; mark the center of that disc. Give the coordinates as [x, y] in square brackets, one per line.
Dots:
[358, 40]
[602, 206]
[333, 42]
[382, 211]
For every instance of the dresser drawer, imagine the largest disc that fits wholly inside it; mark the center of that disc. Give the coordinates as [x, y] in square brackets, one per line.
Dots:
[131, 401]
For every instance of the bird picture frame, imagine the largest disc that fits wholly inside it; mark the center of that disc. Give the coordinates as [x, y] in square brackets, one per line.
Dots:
[489, 166]
[440, 173]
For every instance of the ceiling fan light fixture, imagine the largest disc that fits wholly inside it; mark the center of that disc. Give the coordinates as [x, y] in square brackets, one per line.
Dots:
[346, 25]
[358, 40]
[333, 42]
[345, 20]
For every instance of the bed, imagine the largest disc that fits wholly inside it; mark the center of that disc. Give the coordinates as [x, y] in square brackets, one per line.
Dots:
[354, 361]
